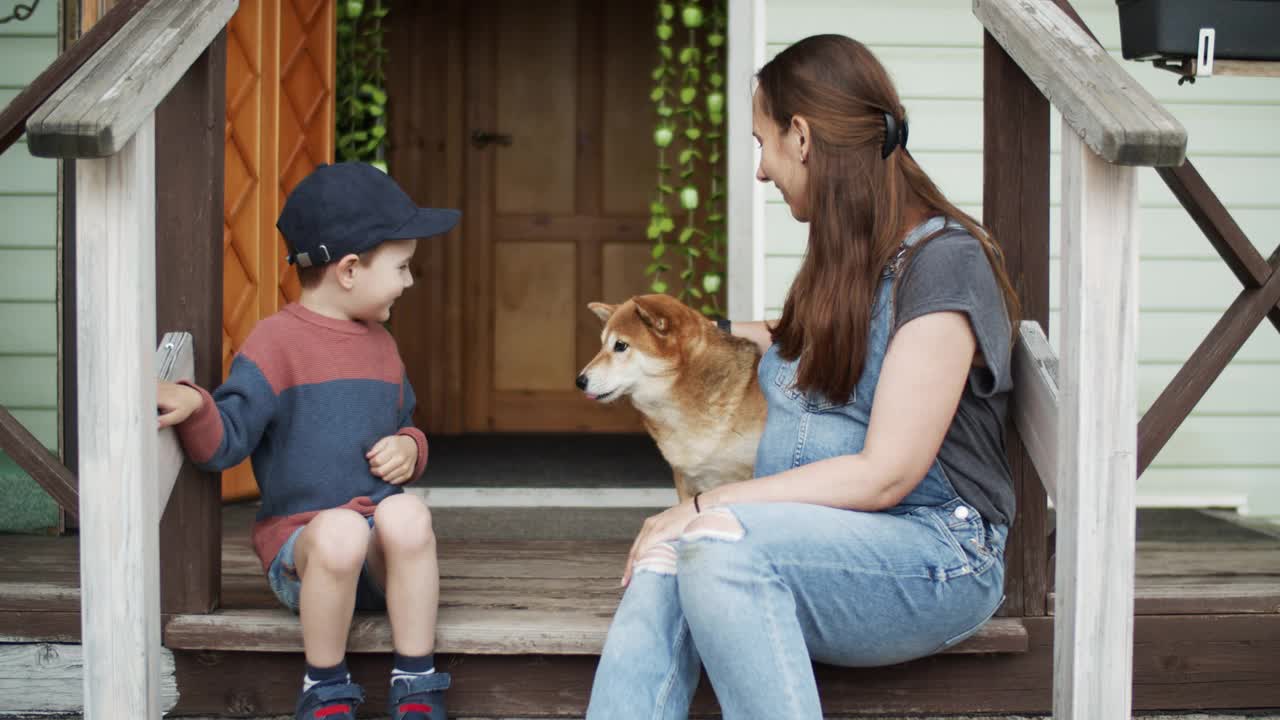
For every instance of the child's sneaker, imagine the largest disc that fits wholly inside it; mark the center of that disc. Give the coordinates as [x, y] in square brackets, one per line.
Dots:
[420, 697]
[331, 701]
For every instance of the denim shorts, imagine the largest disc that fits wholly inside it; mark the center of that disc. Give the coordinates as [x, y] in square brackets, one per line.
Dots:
[287, 585]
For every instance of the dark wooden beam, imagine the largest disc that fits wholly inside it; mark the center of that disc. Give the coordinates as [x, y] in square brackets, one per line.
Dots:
[1016, 210]
[1183, 662]
[43, 466]
[189, 196]
[13, 118]
[1208, 361]
[1222, 231]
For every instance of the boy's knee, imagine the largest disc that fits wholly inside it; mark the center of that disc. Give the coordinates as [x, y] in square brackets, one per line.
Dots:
[338, 540]
[403, 523]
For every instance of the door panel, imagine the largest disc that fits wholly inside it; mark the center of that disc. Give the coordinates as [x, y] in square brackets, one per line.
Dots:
[555, 219]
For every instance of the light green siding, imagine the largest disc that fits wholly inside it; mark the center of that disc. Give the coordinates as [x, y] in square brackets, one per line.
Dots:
[933, 49]
[28, 277]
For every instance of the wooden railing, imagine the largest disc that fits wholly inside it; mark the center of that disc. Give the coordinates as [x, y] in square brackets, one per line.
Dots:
[26, 450]
[1077, 422]
[105, 116]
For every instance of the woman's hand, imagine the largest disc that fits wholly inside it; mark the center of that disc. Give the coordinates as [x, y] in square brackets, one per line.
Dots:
[176, 403]
[393, 458]
[666, 525]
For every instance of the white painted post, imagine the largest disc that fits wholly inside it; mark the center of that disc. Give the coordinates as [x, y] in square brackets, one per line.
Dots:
[1093, 628]
[119, 542]
[744, 290]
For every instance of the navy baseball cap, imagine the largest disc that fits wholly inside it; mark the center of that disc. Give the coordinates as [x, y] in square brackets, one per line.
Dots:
[350, 207]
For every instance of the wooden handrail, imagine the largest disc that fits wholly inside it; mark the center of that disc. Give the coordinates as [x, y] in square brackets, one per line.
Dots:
[1114, 115]
[13, 118]
[97, 111]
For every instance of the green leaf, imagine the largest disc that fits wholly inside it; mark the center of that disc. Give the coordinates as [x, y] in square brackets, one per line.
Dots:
[375, 110]
[686, 274]
[656, 94]
[360, 135]
[692, 251]
[664, 111]
[695, 292]
[665, 51]
[685, 234]
[658, 251]
[657, 73]
[686, 155]
[667, 10]
[688, 94]
[686, 54]
[378, 131]
[653, 268]
[711, 282]
[653, 231]
[708, 310]
[667, 224]
[692, 133]
[666, 189]
[658, 286]
[716, 80]
[657, 208]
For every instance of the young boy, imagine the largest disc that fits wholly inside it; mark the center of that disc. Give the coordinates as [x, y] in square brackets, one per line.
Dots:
[319, 398]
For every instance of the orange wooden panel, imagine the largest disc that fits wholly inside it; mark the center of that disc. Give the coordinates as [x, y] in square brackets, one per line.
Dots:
[280, 70]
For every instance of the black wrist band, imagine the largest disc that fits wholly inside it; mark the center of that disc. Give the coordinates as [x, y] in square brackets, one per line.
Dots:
[724, 324]
[696, 507]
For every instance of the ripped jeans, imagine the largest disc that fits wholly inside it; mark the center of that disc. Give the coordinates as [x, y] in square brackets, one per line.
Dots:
[755, 592]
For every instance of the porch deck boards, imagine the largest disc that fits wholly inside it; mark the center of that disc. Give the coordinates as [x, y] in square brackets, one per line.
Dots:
[557, 596]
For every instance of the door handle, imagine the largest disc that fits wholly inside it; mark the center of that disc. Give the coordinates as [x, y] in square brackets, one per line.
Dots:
[483, 138]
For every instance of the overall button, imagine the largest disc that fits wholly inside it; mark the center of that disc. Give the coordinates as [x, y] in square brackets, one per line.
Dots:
[962, 513]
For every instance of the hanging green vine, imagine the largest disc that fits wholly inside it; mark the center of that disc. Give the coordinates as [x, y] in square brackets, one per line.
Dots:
[685, 81]
[361, 95]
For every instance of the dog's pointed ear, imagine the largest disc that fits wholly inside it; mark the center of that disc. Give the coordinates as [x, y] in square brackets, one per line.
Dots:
[651, 317]
[602, 311]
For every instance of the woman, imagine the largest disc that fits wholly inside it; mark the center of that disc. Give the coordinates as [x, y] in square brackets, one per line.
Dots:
[873, 532]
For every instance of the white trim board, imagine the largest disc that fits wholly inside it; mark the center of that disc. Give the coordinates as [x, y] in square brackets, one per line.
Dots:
[746, 198]
[468, 497]
[578, 497]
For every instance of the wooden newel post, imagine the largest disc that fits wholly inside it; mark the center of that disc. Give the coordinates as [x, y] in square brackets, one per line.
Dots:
[119, 517]
[1097, 441]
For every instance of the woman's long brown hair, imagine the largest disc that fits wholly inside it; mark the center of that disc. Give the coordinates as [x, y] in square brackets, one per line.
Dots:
[860, 205]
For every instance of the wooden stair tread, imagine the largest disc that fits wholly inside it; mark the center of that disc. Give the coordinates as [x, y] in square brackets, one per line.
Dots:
[471, 630]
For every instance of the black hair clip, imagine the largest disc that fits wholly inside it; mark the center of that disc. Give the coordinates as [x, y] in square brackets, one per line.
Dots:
[894, 135]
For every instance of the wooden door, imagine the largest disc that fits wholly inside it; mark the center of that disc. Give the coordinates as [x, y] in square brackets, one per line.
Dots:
[556, 218]
[280, 70]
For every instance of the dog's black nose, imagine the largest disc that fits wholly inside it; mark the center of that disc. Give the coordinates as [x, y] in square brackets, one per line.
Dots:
[582, 382]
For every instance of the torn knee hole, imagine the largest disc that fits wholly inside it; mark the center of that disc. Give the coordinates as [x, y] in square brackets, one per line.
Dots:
[715, 523]
[660, 559]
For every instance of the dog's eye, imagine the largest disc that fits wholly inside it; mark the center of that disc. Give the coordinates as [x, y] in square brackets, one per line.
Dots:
[620, 346]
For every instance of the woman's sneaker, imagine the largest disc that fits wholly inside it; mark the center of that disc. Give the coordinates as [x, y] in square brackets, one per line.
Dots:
[420, 697]
[330, 701]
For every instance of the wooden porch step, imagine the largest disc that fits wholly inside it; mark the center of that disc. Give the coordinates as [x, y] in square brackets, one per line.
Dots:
[471, 631]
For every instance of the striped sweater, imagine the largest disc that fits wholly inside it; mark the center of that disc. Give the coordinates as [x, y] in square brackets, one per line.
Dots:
[306, 398]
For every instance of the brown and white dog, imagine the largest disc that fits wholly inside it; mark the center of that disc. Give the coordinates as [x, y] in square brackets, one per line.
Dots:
[694, 385]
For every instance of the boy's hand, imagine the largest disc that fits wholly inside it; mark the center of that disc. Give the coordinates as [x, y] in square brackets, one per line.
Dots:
[176, 402]
[393, 458]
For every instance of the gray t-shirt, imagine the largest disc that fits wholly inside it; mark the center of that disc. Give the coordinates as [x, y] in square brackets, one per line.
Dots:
[951, 273]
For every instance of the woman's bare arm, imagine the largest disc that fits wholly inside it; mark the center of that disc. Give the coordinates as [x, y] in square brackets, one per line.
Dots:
[756, 331]
[923, 376]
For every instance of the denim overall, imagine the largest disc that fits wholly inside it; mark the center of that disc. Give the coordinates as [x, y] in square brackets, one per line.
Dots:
[803, 582]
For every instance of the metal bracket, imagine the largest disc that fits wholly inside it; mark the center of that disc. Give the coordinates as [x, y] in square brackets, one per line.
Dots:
[1204, 53]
